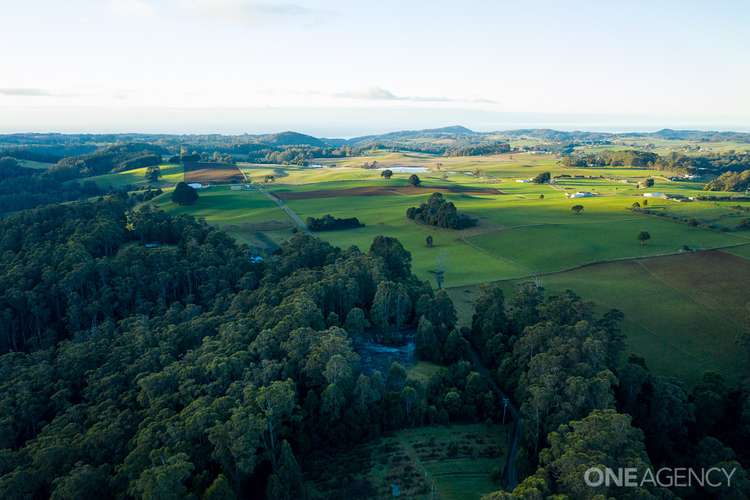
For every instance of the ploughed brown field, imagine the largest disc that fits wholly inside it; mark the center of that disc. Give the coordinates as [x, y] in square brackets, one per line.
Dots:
[382, 191]
[219, 173]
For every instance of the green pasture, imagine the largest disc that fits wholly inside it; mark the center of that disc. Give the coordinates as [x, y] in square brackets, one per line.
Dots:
[547, 248]
[683, 313]
[509, 165]
[519, 233]
[743, 251]
[724, 214]
[242, 214]
[386, 215]
[170, 175]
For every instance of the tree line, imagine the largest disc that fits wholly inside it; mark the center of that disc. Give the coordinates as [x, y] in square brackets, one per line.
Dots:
[708, 163]
[331, 223]
[22, 188]
[730, 181]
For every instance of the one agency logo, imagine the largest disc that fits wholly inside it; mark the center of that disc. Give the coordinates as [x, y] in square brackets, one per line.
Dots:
[666, 477]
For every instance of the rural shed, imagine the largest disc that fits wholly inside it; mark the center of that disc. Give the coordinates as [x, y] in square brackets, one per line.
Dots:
[581, 194]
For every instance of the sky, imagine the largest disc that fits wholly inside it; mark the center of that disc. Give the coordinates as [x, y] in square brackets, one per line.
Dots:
[343, 68]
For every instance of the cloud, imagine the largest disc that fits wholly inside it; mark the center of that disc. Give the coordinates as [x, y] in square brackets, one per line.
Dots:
[247, 10]
[381, 94]
[132, 8]
[27, 92]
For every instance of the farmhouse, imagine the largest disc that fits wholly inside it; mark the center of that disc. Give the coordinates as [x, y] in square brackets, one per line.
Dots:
[654, 195]
[582, 194]
[679, 197]
[523, 181]
[197, 185]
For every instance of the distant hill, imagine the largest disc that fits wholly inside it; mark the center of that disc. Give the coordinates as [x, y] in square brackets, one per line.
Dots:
[450, 140]
[430, 133]
[666, 134]
[109, 159]
[546, 134]
[693, 135]
[289, 138]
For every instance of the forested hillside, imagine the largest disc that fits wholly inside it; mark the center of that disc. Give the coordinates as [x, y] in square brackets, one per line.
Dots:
[22, 188]
[180, 369]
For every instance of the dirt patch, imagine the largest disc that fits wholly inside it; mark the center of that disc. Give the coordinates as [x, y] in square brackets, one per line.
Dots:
[382, 191]
[218, 173]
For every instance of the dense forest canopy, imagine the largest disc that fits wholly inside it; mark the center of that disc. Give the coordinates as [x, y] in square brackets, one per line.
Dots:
[109, 159]
[22, 187]
[178, 369]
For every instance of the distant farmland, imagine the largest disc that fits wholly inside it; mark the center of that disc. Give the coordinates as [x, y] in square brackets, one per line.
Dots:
[216, 173]
[527, 230]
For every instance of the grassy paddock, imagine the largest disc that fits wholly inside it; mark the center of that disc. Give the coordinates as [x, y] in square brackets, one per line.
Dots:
[170, 175]
[683, 313]
[453, 461]
[247, 215]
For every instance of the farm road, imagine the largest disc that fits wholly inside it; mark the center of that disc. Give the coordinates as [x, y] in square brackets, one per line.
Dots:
[289, 212]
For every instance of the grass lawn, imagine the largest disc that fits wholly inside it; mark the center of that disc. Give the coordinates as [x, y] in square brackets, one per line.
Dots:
[455, 461]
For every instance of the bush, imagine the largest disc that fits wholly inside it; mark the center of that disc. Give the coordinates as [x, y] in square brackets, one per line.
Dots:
[184, 194]
[542, 178]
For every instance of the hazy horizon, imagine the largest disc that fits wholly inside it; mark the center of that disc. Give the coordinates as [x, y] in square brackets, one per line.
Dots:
[333, 68]
[322, 122]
